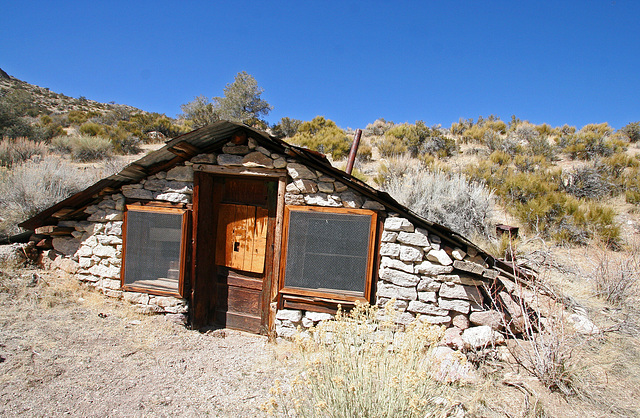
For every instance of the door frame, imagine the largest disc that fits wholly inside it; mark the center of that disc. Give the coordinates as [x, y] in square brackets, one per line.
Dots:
[202, 296]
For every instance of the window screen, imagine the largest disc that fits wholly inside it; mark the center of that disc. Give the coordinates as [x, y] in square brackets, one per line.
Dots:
[328, 251]
[153, 251]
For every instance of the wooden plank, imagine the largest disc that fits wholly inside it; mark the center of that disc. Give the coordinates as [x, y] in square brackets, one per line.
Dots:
[54, 230]
[259, 240]
[243, 171]
[249, 238]
[224, 235]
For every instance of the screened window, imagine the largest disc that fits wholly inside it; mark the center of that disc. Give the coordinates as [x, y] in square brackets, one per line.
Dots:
[154, 250]
[328, 252]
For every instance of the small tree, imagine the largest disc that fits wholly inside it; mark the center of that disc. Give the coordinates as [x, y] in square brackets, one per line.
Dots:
[241, 101]
[199, 111]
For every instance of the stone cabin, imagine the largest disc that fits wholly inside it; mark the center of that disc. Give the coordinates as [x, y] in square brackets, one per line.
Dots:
[227, 226]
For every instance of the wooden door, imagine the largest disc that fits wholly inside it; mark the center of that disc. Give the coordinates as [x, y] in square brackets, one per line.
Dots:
[238, 246]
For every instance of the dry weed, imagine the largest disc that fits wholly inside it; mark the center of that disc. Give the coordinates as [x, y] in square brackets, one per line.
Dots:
[615, 277]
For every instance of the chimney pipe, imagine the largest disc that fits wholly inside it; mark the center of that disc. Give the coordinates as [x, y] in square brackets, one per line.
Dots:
[354, 151]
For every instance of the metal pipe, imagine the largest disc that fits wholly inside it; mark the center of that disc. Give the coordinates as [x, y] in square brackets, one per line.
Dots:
[354, 151]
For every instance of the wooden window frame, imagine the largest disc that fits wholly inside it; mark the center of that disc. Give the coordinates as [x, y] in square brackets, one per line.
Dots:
[184, 245]
[337, 296]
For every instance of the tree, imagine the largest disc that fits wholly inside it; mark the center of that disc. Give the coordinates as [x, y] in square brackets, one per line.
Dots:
[199, 111]
[322, 135]
[241, 101]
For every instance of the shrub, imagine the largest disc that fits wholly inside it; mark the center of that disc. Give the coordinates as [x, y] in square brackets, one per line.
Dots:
[632, 131]
[92, 129]
[35, 185]
[416, 139]
[390, 146]
[357, 366]
[323, 135]
[587, 182]
[286, 128]
[90, 148]
[496, 142]
[594, 140]
[616, 278]
[379, 127]
[449, 199]
[500, 157]
[18, 150]
[78, 117]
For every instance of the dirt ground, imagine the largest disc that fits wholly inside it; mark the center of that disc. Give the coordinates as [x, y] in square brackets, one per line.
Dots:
[69, 351]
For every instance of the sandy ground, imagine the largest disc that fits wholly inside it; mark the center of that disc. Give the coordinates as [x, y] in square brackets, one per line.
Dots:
[73, 352]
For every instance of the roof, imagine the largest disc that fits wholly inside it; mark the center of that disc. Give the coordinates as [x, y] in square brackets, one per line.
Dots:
[210, 139]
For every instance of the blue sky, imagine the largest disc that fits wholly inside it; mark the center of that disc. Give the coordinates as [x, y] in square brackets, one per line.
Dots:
[574, 62]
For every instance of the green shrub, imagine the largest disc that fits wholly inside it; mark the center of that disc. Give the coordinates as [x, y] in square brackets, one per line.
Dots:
[632, 131]
[323, 135]
[90, 148]
[416, 139]
[17, 150]
[500, 157]
[127, 144]
[594, 140]
[92, 129]
[77, 117]
[530, 163]
[379, 127]
[390, 146]
[286, 128]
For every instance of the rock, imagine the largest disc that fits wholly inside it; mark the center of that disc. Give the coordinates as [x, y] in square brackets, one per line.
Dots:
[285, 332]
[112, 284]
[481, 337]
[461, 279]
[293, 199]
[293, 315]
[66, 264]
[389, 236]
[340, 187]
[427, 284]
[458, 254]
[398, 224]
[176, 318]
[318, 316]
[391, 291]
[491, 318]
[457, 291]
[373, 205]
[460, 321]
[109, 272]
[390, 249]
[399, 305]
[326, 187]
[299, 171]
[135, 297]
[453, 338]
[517, 323]
[279, 163]
[430, 269]
[351, 200]
[410, 254]
[396, 264]
[302, 186]
[455, 305]
[452, 367]
[113, 228]
[263, 150]
[204, 159]
[174, 197]
[104, 251]
[257, 159]
[166, 301]
[229, 159]
[181, 173]
[235, 149]
[417, 239]
[322, 199]
[427, 308]
[66, 246]
[427, 297]
[398, 277]
[405, 318]
[439, 256]
[583, 325]
[148, 309]
[137, 193]
[436, 319]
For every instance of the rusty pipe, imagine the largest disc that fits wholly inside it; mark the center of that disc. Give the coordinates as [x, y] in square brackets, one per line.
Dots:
[354, 151]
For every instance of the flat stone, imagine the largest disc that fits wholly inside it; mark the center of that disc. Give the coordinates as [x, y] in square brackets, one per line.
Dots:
[235, 149]
[66, 264]
[279, 163]
[398, 304]
[516, 320]
[373, 205]
[410, 254]
[318, 316]
[468, 267]
[351, 200]
[461, 279]
[439, 256]
[398, 277]
[427, 308]
[322, 199]
[299, 171]
[417, 239]
[389, 236]
[257, 159]
[294, 199]
[109, 272]
[135, 297]
[427, 297]
[113, 228]
[293, 315]
[340, 187]
[263, 150]
[430, 269]
[304, 186]
[66, 246]
[453, 338]
[229, 159]
[174, 197]
[391, 291]
[458, 291]
[456, 305]
[428, 284]
[436, 319]
[180, 173]
[491, 318]
[405, 318]
[398, 224]
[204, 159]
[458, 254]
[104, 251]
[583, 325]
[396, 264]
[390, 249]
[137, 193]
[326, 187]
